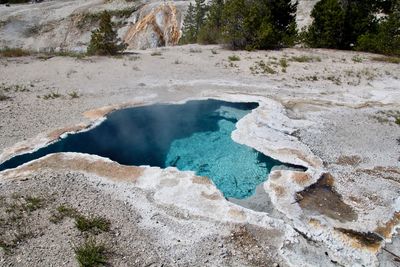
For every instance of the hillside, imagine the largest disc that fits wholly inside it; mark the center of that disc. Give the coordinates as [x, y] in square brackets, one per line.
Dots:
[66, 25]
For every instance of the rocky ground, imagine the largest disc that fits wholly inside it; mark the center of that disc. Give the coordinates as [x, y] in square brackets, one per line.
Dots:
[333, 112]
[65, 25]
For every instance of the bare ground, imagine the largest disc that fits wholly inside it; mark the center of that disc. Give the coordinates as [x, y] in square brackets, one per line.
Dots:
[351, 108]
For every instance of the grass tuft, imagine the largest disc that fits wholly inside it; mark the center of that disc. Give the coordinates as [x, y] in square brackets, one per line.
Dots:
[305, 59]
[14, 52]
[234, 58]
[4, 97]
[283, 62]
[262, 67]
[73, 95]
[357, 59]
[33, 203]
[91, 253]
[92, 224]
[52, 95]
[62, 212]
[393, 60]
[195, 50]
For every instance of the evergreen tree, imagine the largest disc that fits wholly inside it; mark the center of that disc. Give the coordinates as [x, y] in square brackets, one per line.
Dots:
[386, 39]
[283, 15]
[189, 29]
[210, 33]
[242, 24]
[359, 19]
[104, 40]
[199, 13]
[327, 27]
[258, 24]
[235, 30]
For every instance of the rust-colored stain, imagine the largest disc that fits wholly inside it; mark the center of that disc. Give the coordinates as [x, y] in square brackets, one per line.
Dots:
[57, 133]
[213, 196]
[388, 173]
[95, 114]
[21, 149]
[300, 155]
[279, 190]
[170, 35]
[169, 182]
[275, 175]
[348, 160]
[98, 113]
[201, 180]
[315, 223]
[386, 229]
[110, 170]
[237, 214]
[301, 178]
[321, 197]
[361, 240]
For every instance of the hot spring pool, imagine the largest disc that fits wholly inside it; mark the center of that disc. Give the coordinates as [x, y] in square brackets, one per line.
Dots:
[193, 136]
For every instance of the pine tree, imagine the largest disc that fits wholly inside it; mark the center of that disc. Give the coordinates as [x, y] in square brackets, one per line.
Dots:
[359, 19]
[283, 16]
[327, 27]
[235, 31]
[386, 39]
[104, 40]
[189, 29]
[200, 13]
[210, 33]
[259, 24]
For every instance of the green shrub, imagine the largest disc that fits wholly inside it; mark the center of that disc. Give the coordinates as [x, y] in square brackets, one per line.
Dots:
[104, 40]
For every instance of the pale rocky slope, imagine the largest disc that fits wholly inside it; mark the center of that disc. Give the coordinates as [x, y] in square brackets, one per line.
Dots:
[66, 25]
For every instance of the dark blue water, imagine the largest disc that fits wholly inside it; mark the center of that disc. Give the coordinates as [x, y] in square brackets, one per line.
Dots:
[193, 136]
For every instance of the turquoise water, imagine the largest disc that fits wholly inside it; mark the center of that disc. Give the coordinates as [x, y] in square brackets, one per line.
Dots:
[193, 136]
[234, 168]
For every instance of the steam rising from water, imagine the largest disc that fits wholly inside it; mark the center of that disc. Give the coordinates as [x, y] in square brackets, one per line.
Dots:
[193, 136]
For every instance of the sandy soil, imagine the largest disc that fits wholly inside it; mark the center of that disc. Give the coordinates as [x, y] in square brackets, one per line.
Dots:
[343, 105]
